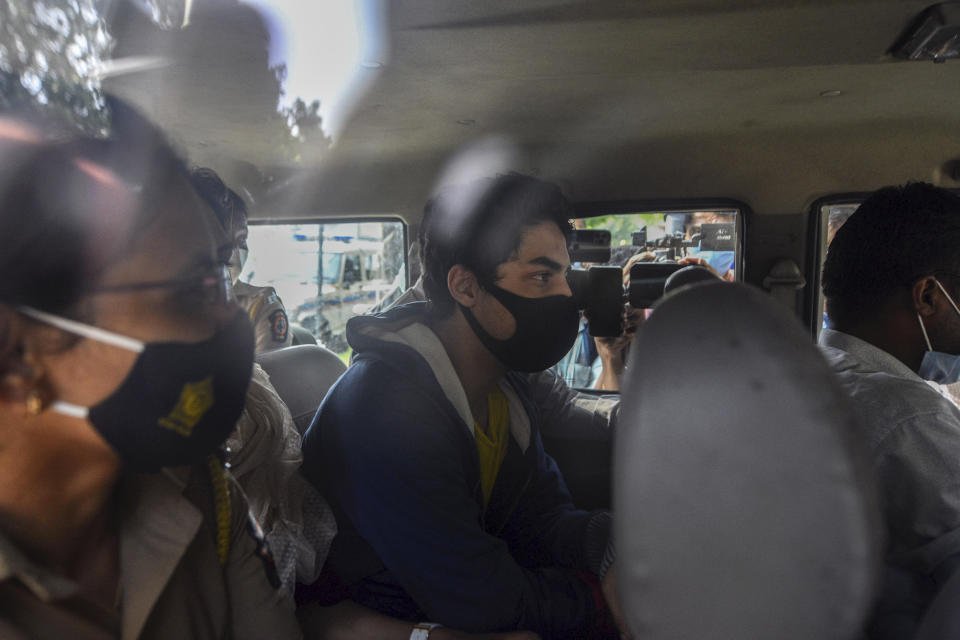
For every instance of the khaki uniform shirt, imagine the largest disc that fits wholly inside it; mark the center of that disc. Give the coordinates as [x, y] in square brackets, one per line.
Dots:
[270, 323]
[172, 585]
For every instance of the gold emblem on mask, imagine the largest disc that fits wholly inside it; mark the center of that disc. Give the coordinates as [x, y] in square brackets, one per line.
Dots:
[195, 400]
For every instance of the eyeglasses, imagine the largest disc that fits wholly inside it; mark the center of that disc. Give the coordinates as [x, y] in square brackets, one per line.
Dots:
[215, 288]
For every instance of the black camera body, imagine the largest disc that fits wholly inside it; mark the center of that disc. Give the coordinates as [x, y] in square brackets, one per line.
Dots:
[669, 248]
[718, 236]
[647, 280]
[599, 291]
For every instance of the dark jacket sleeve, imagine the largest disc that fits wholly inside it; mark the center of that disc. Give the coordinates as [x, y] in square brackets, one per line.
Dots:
[547, 529]
[568, 412]
[394, 460]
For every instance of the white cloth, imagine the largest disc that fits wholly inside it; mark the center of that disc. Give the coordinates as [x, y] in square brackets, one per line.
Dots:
[913, 437]
[265, 459]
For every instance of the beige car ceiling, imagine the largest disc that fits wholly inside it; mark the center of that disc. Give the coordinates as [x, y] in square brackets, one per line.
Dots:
[614, 100]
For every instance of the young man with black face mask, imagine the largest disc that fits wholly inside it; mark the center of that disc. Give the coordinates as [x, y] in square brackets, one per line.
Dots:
[892, 281]
[429, 446]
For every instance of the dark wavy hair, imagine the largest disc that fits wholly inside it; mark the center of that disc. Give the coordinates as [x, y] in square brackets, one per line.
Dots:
[480, 225]
[895, 237]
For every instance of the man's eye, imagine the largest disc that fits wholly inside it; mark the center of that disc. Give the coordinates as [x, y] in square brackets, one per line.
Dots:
[543, 276]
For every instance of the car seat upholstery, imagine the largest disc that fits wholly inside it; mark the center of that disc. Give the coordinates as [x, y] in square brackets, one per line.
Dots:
[745, 508]
[300, 335]
[941, 621]
[302, 374]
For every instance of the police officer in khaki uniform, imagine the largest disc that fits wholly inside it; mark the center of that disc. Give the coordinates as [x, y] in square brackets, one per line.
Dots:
[266, 312]
[262, 304]
[123, 367]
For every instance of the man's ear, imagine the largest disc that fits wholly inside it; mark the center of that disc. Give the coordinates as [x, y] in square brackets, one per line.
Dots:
[926, 296]
[20, 373]
[463, 285]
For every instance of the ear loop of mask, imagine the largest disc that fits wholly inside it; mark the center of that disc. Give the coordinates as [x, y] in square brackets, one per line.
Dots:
[86, 331]
[949, 299]
[924, 330]
[920, 320]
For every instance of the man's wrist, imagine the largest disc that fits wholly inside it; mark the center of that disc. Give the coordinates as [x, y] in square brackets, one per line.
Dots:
[612, 362]
[421, 630]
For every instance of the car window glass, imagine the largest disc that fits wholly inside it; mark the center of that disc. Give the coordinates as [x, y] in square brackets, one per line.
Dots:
[832, 217]
[708, 237]
[360, 264]
[711, 235]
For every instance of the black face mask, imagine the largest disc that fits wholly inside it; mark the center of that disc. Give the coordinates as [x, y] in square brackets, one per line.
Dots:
[546, 329]
[180, 400]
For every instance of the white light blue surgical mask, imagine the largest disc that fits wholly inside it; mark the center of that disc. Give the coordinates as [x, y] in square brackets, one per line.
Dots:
[938, 366]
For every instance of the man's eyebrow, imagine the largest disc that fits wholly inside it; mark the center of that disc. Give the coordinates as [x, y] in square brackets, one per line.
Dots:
[547, 262]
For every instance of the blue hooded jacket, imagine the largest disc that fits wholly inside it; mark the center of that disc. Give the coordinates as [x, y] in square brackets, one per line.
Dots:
[392, 447]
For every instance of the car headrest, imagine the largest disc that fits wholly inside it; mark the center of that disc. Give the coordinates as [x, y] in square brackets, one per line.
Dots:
[693, 274]
[302, 375]
[300, 335]
[744, 506]
[941, 620]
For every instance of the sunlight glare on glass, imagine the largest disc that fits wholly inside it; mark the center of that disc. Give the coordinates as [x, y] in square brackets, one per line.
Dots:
[324, 45]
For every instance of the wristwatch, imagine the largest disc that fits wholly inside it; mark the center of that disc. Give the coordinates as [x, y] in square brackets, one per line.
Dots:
[421, 630]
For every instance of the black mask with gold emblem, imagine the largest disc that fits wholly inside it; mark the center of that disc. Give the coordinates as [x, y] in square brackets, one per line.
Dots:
[180, 400]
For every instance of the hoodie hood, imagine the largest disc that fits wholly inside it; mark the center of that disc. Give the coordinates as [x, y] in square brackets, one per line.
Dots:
[401, 338]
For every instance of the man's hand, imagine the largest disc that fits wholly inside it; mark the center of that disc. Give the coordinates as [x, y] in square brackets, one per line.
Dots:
[350, 621]
[443, 633]
[609, 589]
[612, 351]
[697, 262]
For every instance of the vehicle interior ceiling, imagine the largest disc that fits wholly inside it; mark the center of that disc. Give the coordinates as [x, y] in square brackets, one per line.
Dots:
[772, 103]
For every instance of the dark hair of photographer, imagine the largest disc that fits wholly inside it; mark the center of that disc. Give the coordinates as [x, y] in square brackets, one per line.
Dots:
[480, 226]
[897, 236]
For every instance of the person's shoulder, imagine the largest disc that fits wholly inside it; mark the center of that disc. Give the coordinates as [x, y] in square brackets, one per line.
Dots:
[372, 386]
[267, 296]
[248, 294]
[243, 289]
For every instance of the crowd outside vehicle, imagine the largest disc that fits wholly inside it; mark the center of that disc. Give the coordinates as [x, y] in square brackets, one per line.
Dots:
[891, 285]
[448, 507]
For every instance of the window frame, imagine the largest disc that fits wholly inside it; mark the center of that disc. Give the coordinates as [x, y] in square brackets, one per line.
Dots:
[817, 235]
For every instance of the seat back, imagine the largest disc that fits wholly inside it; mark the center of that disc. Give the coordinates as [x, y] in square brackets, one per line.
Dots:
[744, 508]
[941, 621]
[301, 335]
[302, 375]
